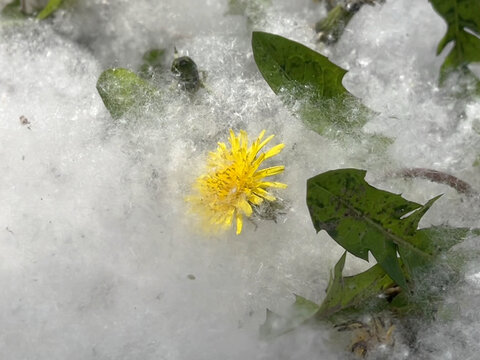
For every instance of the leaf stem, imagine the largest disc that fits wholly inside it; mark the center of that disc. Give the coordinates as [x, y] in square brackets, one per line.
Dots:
[438, 177]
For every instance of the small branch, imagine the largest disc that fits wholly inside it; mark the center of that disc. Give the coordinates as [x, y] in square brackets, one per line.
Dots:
[331, 28]
[438, 177]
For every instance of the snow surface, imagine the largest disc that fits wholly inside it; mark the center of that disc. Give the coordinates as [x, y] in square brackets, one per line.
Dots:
[98, 257]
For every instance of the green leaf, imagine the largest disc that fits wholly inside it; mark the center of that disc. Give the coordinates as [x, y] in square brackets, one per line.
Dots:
[431, 279]
[463, 22]
[357, 292]
[153, 63]
[331, 28]
[363, 292]
[122, 92]
[373, 291]
[48, 10]
[297, 314]
[364, 219]
[433, 241]
[309, 82]
[13, 11]
[286, 64]
[253, 10]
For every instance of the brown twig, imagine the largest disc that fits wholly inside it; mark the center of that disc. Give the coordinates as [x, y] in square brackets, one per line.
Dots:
[438, 177]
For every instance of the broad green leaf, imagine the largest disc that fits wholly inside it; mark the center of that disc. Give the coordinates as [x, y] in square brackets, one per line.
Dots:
[297, 314]
[122, 91]
[48, 10]
[364, 219]
[463, 29]
[308, 82]
[359, 292]
[286, 64]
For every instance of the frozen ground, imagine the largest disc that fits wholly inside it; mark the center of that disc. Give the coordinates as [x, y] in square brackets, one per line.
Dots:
[98, 258]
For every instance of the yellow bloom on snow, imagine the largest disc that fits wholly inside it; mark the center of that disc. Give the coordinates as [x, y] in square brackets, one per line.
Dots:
[233, 182]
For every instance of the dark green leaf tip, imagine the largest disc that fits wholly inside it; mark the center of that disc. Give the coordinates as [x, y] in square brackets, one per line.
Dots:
[309, 83]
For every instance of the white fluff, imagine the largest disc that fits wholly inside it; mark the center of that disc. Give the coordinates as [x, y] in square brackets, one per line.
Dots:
[96, 247]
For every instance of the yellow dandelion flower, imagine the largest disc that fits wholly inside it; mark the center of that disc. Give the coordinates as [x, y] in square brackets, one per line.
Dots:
[233, 182]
